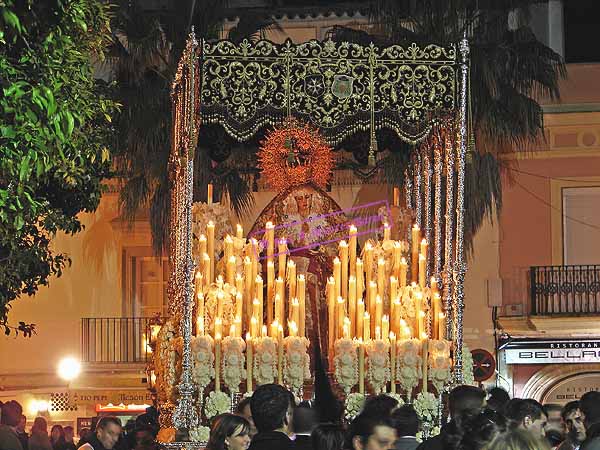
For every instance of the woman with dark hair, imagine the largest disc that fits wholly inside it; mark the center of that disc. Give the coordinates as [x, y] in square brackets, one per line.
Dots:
[327, 436]
[57, 438]
[474, 430]
[229, 432]
[39, 439]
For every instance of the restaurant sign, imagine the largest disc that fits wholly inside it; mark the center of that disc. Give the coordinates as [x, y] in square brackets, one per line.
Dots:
[81, 397]
[552, 352]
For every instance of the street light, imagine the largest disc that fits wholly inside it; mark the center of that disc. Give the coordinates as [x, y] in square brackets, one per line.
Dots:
[69, 368]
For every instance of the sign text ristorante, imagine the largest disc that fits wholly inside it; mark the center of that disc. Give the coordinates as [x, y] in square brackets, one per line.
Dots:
[552, 352]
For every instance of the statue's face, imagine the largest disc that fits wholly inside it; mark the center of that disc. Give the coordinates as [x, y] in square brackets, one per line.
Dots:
[303, 202]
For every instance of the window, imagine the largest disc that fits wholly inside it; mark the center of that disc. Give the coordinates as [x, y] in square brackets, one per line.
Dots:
[147, 277]
[581, 225]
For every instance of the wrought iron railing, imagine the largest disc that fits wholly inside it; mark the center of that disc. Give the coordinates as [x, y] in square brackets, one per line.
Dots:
[115, 339]
[565, 289]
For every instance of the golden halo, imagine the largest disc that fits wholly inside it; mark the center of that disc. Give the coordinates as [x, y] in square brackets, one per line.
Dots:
[295, 154]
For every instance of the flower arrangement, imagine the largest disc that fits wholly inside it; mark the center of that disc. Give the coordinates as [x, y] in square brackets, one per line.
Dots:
[354, 405]
[426, 405]
[202, 213]
[203, 361]
[439, 363]
[166, 361]
[217, 402]
[200, 434]
[265, 360]
[408, 364]
[467, 362]
[211, 299]
[296, 362]
[396, 397]
[346, 364]
[378, 364]
[233, 362]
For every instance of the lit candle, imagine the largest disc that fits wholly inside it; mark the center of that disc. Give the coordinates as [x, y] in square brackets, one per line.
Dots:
[239, 307]
[227, 247]
[441, 326]
[255, 316]
[403, 270]
[282, 249]
[421, 321]
[422, 271]
[346, 328]
[414, 263]
[291, 279]
[344, 262]
[259, 296]
[239, 231]
[231, 265]
[232, 329]
[378, 311]
[255, 252]
[218, 361]
[331, 317]
[237, 323]
[206, 267]
[396, 196]
[424, 247]
[352, 304]
[371, 300]
[425, 362]
[433, 285]
[395, 319]
[202, 241]
[274, 329]
[359, 278]
[352, 250]
[393, 362]
[361, 366]
[280, 355]
[385, 326]
[254, 327]
[270, 290]
[387, 231]
[377, 333]
[200, 313]
[270, 233]
[293, 329]
[248, 287]
[341, 313]
[437, 309]
[367, 327]
[397, 258]
[295, 311]
[210, 231]
[360, 313]
[263, 331]
[368, 262]
[393, 288]
[220, 299]
[337, 276]
[280, 291]
[418, 319]
[381, 277]
[209, 196]
[249, 351]
[301, 291]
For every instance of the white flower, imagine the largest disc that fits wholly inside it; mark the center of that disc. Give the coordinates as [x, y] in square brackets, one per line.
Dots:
[203, 370]
[354, 405]
[346, 364]
[297, 362]
[426, 406]
[233, 362]
[408, 364]
[378, 364]
[166, 361]
[467, 363]
[200, 434]
[216, 403]
[202, 213]
[265, 361]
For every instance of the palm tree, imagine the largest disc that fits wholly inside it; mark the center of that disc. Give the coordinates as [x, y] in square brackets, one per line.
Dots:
[146, 51]
[510, 72]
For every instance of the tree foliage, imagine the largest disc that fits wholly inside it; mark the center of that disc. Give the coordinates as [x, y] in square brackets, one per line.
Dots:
[55, 136]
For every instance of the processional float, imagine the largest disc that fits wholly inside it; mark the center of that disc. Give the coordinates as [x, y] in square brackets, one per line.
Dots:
[394, 310]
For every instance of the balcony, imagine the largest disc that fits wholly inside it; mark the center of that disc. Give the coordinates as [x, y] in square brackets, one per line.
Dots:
[565, 290]
[116, 340]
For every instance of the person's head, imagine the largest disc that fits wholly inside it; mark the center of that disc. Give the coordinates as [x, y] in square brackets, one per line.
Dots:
[83, 434]
[381, 405]
[465, 398]
[406, 421]
[497, 398]
[571, 416]
[108, 431]
[243, 409]
[39, 426]
[271, 408]
[57, 433]
[518, 439]
[327, 436]
[304, 419]
[370, 433]
[69, 433]
[144, 435]
[303, 200]
[589, 405]
[22, 423]
[229, 432]
[11, 413]
[555, 422]
[479, 429]
[528, 414]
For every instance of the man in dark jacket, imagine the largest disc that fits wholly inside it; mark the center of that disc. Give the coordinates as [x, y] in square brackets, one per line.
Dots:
[9, 419]
[107, 434]
[406, 423]
[461, 399]
[272, 413]
[304, 422]
[589, 404]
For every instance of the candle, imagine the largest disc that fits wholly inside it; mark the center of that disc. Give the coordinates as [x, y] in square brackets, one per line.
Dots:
[291, 279]
[437, 309]
[293, 329]
[259, 297]
[206, 267]
[331, 317]
[282, 250]
[367, 327]
[301, 291]
[249, 351]
[231, 265]
[209, 196]
[263, 331]
[393, 362]
[352, 250]
[441, 326]
[210, 231]
[270, 290]
[359, 278]
[280, 291]
[424, 248]
[295, 311]
[385, 326]
[395, 319]
[280, 355]
[270, 236]
[418, 319]
[202, 240]
[393, 288]
[396, 196]
[346, 328]
[361, 366]
[274, 329]
[232, 329]
[227, 247]
[254, 327]
[199, 325]
[403, 270]
[397, 258]
[341, 313]
[360, 313]
[344, 262]
[218, 361]
[239, 231]
[254, 257]
[255, 316]
[368, 263]
[387, 231]
[200, 313]
[352, 304]
[381, 277]
[248, 287]
[237, 323]
[371, 300]
[220, 299]
[433, 285]
[425, 362]
[422, 271]
[378, 311]
[414, 263]
[337, 276]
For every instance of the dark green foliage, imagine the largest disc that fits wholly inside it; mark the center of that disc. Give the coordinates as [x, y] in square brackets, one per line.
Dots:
[54, 136]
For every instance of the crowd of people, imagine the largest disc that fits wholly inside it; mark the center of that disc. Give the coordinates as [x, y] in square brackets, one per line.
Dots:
[271, 420]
